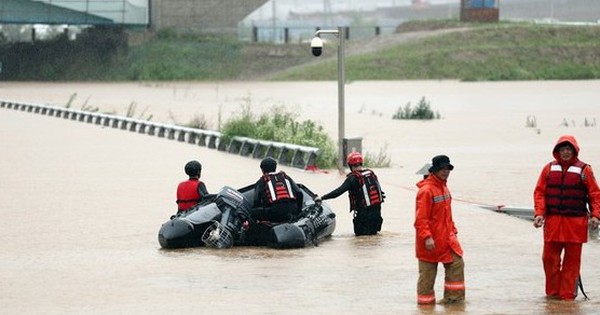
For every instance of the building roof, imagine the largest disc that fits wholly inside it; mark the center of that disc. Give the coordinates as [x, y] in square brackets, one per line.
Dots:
[32, 12]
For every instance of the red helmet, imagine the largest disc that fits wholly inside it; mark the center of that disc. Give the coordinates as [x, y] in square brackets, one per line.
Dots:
[354, 158]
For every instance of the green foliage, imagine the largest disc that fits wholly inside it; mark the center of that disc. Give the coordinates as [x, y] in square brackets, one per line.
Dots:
[486, 52]
[280, 125]
[102, 53]
[421, 111]
[379, 159]
[183, 57]
[90, 57]
[132, 112]
[198, 122]
[474, 52]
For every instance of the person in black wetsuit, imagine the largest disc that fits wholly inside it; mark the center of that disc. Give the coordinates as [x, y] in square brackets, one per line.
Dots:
[365, 194]
[277, 198]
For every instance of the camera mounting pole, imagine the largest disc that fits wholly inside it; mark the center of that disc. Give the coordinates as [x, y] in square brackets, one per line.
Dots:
[339, 33]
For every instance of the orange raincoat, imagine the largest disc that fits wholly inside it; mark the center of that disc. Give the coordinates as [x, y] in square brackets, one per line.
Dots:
[560, 228]
[564, 234]
[433, 218]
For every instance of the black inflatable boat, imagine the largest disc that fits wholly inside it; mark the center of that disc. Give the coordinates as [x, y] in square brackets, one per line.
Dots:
[223, 220]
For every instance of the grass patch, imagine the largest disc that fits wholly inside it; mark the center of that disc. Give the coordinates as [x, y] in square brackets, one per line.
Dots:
[473, 52]
[183, 57]
[499, 52]
[280, 125]
[379, 159]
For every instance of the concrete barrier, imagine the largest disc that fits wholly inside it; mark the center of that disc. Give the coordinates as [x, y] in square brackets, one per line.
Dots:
[286, 154]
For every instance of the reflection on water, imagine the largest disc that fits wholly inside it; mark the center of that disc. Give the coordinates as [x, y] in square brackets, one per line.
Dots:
[237, 253]
[369, 241]
[459, 308]
[563, 307]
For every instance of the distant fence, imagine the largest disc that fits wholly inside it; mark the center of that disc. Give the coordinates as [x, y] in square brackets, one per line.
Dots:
[287, 154]
[297, 34]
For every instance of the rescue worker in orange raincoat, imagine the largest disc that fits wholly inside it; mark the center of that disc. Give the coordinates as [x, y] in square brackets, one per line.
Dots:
[564, 189]
[436, 240]
[191, 191]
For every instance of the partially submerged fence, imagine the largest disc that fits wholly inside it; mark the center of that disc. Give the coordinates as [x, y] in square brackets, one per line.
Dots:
[287, 154]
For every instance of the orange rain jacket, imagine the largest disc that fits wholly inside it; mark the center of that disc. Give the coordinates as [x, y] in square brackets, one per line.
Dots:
[433, 218]
[561, 228]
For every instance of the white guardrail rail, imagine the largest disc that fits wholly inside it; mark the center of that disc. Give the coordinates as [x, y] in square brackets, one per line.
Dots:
[287, 154]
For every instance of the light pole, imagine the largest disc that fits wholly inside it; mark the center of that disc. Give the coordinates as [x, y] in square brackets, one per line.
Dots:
[316, 45]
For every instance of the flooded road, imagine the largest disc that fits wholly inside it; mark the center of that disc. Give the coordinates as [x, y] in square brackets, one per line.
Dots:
[81, 205]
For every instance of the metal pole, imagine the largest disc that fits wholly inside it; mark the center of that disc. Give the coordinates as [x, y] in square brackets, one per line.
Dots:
[341, 106]
[341, 81]
[274, 21]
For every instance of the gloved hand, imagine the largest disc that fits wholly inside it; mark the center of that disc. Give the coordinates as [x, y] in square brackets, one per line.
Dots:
[429, 243]
[594, 222]
[318, 200]
[538, 221]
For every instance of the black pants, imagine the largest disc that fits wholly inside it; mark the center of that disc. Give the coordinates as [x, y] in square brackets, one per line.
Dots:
[367, 221]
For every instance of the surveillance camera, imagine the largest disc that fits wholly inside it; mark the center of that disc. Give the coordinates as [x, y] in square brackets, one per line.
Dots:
[316, 46]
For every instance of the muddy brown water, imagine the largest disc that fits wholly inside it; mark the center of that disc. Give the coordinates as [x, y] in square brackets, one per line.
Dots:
[81, 205]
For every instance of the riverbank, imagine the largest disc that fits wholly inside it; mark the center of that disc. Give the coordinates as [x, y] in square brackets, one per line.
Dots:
[458, 51]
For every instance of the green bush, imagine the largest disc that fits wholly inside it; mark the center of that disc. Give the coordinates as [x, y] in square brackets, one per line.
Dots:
[380, 159]
[280, 125]
[421, 111]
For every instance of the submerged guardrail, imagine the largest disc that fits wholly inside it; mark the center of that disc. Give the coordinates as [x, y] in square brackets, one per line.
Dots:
[287, 154]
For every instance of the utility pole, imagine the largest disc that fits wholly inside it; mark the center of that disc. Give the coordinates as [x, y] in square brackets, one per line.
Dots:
[318, 44]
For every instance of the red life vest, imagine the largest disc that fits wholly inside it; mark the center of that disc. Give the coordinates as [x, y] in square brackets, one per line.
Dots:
[369, 193]
[277, 187]
[187, 194]
[565, 192]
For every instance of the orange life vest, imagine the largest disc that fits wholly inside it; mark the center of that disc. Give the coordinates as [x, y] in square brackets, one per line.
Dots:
[187, 194]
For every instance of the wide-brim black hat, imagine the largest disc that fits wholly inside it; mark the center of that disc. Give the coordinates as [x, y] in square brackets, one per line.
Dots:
[439, 162]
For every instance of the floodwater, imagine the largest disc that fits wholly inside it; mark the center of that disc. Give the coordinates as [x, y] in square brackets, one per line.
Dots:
[81, 205]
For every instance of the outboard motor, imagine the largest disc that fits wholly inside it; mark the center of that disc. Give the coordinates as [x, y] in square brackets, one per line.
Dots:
[185, 229]
[235, 210]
